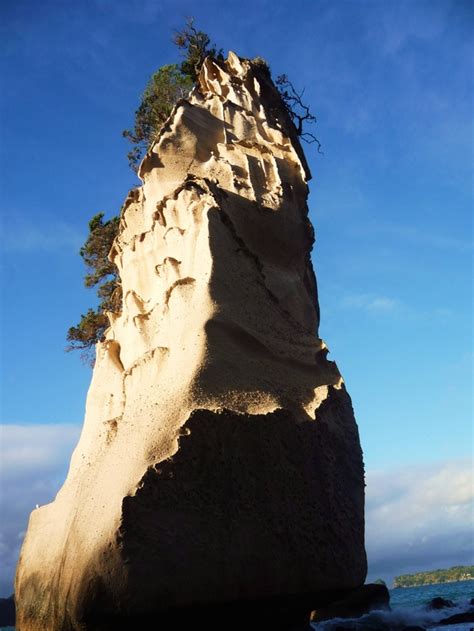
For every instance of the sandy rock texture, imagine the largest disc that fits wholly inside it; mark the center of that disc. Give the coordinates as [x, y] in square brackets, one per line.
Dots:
[219, 460]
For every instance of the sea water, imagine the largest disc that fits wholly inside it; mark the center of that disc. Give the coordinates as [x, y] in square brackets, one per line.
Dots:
[408, 608]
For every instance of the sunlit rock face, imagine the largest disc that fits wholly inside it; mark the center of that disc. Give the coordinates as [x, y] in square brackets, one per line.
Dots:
[219, 460]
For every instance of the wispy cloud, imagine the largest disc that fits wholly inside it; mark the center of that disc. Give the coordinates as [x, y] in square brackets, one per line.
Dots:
[22, 235]
[420, 517]
[371, 303]
[414, 235]
[398, 29]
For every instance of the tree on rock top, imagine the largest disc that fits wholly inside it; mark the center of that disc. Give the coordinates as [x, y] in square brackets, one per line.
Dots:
[166, 86]
[197, 46]
[162, 91]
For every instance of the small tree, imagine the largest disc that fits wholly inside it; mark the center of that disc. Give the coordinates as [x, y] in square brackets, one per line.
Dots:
[103, 274]
[197, 46]
[162, 91]
[169, 84]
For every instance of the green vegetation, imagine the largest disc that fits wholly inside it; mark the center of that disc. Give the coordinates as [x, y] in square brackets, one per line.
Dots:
[197, 46]
[456, 573]
[103, 274]
[162, 91]
[165, 88]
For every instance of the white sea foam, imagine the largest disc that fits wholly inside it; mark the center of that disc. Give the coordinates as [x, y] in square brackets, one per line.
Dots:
[399, 618]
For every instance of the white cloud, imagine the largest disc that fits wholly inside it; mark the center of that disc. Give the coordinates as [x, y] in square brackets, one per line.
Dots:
[33, 465]
[419, 517]
[25, 448]
[371, 303]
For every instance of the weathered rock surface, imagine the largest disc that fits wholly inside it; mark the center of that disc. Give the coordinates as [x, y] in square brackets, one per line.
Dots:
[219, 460]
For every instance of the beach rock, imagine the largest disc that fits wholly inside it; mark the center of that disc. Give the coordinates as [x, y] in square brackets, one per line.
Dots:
[440, 603]
[219, 463]
[356, 603]
[458, 618]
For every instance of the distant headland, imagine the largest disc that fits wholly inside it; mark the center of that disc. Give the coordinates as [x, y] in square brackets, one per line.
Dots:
[432, 577]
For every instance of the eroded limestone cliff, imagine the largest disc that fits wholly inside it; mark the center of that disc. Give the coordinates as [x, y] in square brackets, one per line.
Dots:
[219, 460]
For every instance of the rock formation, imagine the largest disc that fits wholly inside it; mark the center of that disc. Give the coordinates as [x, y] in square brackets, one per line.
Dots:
[219, 461]
[361, 601]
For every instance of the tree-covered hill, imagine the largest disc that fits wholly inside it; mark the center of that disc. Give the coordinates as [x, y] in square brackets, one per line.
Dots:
[456, 573]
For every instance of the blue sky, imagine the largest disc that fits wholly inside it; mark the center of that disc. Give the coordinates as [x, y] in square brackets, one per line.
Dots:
[391, 201]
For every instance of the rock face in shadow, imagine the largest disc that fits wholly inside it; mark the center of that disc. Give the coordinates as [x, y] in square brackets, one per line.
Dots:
[440, 603]
[7, 612]
[219, 467]
[357, 603]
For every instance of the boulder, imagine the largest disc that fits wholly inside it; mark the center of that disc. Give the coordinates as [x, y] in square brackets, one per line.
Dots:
[458, 618]
[355, 604]
[440, 603]
[219, 466]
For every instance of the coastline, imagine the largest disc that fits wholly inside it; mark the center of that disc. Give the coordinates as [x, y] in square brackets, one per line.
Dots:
[452, 580]
[454, 574]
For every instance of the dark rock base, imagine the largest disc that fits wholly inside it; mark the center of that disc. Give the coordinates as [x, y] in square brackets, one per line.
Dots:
[357, 603]
[287, 613]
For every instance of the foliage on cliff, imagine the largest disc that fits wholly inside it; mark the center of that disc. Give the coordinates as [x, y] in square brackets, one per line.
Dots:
[173, 82]
[103, 274]
[197, 46]
[162, 91]
[166, 86]
[456, 573]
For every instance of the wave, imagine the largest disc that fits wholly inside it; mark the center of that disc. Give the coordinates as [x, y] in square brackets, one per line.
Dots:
[399, 618]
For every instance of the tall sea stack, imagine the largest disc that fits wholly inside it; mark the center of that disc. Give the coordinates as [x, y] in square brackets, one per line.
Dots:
[219, 468]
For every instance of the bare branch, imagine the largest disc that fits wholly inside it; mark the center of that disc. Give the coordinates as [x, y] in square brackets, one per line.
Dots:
[310, 138]
[298, 111]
